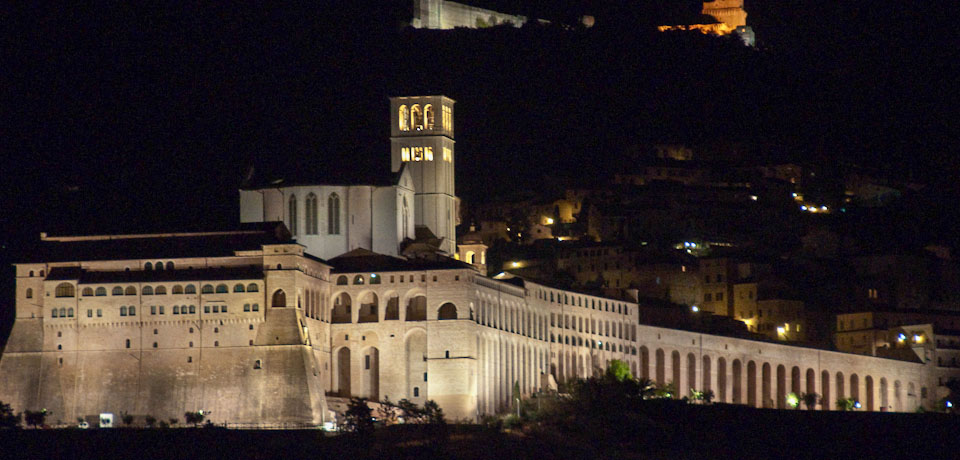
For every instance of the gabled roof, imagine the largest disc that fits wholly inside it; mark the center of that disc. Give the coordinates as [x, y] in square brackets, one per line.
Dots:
[325, 176]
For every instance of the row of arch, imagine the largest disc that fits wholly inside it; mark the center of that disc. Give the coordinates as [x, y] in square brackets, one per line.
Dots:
[504, 362]
[512, 318]
[67, 290]
[369, 309]
[416, 118]
[312, 221]
[356, 372]
[775, 384]
[157, 266]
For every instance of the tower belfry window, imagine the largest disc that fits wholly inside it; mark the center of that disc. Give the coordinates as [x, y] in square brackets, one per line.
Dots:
[428, 113]
[416, 117]
[447, 118]
[404, 118]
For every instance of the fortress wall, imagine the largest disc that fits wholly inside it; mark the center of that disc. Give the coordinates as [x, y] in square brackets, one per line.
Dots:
[167, 383]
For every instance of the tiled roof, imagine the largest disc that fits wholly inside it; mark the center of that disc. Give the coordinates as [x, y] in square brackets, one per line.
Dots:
[155, 276]
[169, 246]
[364, 261]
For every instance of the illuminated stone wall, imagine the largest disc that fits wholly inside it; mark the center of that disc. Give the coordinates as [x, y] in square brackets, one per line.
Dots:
[442, 14]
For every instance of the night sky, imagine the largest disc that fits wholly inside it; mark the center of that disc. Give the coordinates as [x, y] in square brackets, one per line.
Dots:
[149, 118]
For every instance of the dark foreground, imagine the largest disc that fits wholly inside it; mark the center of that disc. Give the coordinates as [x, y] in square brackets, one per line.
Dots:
[673, 432]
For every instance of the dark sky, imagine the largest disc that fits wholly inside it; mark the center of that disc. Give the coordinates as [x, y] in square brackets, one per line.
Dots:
[128, 118]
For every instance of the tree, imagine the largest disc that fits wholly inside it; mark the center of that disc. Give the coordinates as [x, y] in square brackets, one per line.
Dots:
[667, 390]
[7, 418]
[359, 417]
[810, 400]
[35, 419]
[126, 418]
[150, 420]
[618, 371]
[173, 421]
[389, 411]
[845, 404]
[433, 413]
[196, 418]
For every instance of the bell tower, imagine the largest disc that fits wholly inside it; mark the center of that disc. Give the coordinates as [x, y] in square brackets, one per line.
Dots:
[421, 136]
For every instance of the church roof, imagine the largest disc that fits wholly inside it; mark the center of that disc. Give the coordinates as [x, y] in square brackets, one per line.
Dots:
[322, 175]
[365, 261]
[157, 246]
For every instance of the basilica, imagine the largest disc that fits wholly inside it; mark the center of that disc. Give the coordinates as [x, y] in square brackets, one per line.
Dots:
[330, 289]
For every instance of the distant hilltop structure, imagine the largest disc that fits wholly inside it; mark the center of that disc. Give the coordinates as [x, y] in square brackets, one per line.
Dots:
[730, 17]
[443, 14]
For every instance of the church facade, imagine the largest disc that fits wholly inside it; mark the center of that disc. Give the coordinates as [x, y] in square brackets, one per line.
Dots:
[318, 296]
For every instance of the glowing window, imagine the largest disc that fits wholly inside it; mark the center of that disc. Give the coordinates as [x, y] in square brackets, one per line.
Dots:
[447, 118]
[405, 154]
[428, 154]
[447, 155]
[416, 117]
[429, 115]
[404, 118]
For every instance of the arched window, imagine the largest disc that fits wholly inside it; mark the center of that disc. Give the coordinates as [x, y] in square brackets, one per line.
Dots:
[190, 289]
[471, 257]
[342, 280]
[160, 290]
[132, 311]
[176, 309]
[207, 289]
[29, 293]
[342, 310]
[148, 266]
[158, 265]
[101, 291]
[130, 290]
[65, 290]
[416, 116]
[292, 215]
[118, 290]
[87, 292]
[279, 299]
[405, 220]
[147, 290]
[404, 118]
[193, 309]
[252, 287]
[428, 113]
[169, 265]
[70, 312]
[238, 288]
[53, 314]
[358, 279]
[222, 289]
[447, 311]
[417, 309]
[123, 311]
[374, 278]
[311, 212]
[333, 214]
